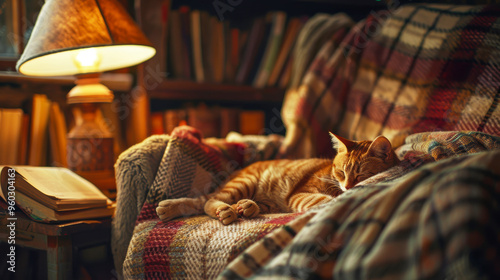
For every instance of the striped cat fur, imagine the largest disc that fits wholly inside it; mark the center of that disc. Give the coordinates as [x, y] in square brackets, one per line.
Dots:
[280, 186]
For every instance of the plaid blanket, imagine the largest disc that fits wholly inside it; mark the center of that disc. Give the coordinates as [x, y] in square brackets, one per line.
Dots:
[193, 248]
[200, 247]
[402, 76]
[399, 72]
[441, 221]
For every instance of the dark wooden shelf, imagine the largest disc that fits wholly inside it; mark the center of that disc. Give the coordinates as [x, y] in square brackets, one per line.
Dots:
[8, 63]
[114, 81]
[190, 90]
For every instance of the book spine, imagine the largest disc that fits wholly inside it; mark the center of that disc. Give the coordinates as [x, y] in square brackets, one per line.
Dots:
[233, 54]
[251, 49]
[24, 138]
[176, 48]
[205, 119]
[252, 122]
[293, 29]
[163, 53]
[262, 46]
[197, 46]
[11, 121]
[39, 133]
[186, 43]
[229, 121]
[157, 123]
[173, 118]
[153, 14]
[207, 36]
[271, 53]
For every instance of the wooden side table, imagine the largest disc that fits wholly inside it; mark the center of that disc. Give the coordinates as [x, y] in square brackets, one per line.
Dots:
[61, 241]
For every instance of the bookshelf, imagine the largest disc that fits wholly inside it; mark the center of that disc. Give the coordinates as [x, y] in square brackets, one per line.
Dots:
[165, 89]
[167, 86]
[114, 81]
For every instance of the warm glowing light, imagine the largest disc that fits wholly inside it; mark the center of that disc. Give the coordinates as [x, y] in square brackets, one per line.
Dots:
[65, 63]
[88, 60]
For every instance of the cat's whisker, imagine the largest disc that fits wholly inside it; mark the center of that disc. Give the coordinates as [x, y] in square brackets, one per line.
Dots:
[328, 180]
[331, 181]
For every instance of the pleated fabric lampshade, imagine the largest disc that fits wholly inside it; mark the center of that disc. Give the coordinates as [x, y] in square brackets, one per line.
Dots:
[74, 37]
[83, 36]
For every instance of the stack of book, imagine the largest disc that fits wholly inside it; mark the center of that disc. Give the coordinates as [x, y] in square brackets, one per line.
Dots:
[52, 194]
[200, 47]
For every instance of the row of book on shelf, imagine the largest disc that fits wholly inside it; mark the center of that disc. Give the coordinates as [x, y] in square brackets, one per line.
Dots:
[37, 136]
[203, 48]
[212, 121]
[25, 136]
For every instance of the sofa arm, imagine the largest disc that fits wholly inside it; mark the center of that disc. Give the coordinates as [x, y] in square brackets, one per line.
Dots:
[135, 171]
[141, 182]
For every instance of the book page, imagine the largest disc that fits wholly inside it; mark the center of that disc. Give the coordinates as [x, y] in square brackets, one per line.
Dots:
[39, 212]
[3, 181]
[61, 183]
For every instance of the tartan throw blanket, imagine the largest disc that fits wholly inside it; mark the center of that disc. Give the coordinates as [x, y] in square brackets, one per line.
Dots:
[398, 72]
[200, 247]
[179, 165]
[440, 221]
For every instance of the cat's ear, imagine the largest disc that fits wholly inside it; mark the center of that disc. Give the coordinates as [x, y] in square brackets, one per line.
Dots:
[340, 144]
[380, 147]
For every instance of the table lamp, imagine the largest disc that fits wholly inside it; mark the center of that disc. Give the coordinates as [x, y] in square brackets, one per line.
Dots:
[84, 38]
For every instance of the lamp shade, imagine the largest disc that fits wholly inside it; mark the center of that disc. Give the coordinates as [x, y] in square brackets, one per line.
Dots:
[83, 36]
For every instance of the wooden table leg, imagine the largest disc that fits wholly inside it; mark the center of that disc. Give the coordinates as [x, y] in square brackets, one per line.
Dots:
[59, 257]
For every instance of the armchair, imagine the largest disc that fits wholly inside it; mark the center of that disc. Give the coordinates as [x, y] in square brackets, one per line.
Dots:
[426, 77]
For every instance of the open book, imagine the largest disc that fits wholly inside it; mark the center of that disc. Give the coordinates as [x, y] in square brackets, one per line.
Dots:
[52, 193]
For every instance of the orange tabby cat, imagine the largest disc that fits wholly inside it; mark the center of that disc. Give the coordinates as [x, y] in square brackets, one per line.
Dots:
[280, 186]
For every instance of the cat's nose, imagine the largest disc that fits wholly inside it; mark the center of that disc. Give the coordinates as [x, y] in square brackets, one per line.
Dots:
[349, 186]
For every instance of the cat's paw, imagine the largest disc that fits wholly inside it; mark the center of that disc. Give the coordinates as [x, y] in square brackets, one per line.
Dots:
[167, 210]
[247, 208]
[226, 214]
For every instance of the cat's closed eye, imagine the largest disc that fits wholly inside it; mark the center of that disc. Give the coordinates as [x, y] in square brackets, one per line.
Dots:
[340, 174]
[359, 160]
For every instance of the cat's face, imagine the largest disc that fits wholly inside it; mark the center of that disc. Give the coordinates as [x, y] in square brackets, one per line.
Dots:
[358, 160]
